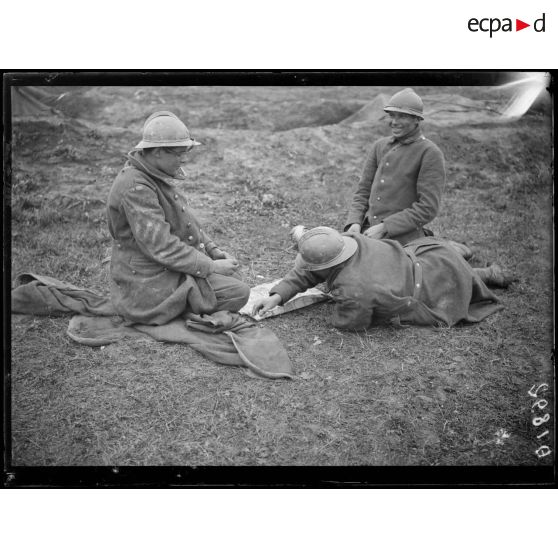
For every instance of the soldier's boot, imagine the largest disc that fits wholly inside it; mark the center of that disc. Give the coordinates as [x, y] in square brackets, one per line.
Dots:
[494, 276]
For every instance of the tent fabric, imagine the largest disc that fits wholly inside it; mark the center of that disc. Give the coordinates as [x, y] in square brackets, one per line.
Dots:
[32, 101]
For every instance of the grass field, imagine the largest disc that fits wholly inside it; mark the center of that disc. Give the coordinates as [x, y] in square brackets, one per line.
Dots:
[272, 158]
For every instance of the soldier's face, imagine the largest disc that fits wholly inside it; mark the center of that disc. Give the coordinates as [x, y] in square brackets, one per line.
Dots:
[170, 159]
[402, 124]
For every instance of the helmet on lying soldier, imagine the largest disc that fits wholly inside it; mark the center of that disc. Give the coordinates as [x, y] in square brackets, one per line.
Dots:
[322, 248]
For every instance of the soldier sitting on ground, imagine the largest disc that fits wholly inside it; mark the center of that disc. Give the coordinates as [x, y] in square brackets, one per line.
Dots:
[425, 282]
[163, 263]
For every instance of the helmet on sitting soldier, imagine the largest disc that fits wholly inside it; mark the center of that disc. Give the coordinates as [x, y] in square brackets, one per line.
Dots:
[407, 102]
[165, 129]
[322, 248]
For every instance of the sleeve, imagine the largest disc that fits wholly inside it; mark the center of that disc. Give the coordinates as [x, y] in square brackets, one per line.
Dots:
[361, 196]
[349, 313]
[153, 237]
[210, 245]
[430, 184]
[296, 281]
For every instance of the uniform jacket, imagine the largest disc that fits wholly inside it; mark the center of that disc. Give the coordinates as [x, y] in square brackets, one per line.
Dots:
[425, 283]
[160, 254]
[401, 186]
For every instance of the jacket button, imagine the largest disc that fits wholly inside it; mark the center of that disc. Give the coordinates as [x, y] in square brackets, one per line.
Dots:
[183, 209]
[190, 238]
[382, 180]
[202, 245]
[197, 272]
[175, 196]
[188, 224]
[374, 217]
[378, 198]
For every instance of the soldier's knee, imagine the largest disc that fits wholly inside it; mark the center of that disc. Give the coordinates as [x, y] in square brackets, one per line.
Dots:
[243, 292]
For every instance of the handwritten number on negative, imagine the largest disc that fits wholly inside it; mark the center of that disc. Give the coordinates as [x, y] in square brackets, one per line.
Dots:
[530, 392]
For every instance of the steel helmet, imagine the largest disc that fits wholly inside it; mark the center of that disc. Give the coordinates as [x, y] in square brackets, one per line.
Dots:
[165, 129]
[406, 101]
[322, 247]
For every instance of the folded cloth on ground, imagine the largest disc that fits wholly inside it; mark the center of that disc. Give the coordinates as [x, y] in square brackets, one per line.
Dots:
[97, 331]
[229, 338]
[46, 296]
[223, 337]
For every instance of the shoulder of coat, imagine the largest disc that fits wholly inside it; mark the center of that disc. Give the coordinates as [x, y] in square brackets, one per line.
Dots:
[431, 145]
[135, 184]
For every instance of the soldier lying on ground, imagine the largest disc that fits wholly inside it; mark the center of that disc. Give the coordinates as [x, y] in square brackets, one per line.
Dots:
[425, 282]
[402, 181]
[163, 264]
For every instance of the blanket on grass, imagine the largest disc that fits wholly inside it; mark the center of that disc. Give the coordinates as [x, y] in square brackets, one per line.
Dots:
[223, 337]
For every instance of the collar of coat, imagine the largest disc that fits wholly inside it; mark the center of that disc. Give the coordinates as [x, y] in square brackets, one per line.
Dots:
[413, 136]
[136, 159]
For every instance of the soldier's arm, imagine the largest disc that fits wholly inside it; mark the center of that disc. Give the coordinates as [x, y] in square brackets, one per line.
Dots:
[361, 196]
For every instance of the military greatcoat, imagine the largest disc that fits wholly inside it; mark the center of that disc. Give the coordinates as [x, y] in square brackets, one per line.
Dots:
[161, 263]
[425, 282]
[401, 186]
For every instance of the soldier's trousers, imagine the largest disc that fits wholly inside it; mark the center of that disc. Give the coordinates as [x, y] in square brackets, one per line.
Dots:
[232, 293]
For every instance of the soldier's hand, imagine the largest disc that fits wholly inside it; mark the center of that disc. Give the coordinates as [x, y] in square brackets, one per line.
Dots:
[377, 231]
[219, 254]
[266, 305]
[354, 228]
[225, 267]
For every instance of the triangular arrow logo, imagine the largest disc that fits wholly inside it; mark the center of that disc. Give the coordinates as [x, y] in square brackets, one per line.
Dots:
[519, 25]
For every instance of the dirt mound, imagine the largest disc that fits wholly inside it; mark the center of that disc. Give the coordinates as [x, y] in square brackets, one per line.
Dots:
[442, 110]
[449, 109]
[308, 136]
[372, 111]
[56, 138]
[321, 113]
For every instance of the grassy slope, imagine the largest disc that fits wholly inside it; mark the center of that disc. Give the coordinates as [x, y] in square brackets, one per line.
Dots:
[390, 396]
